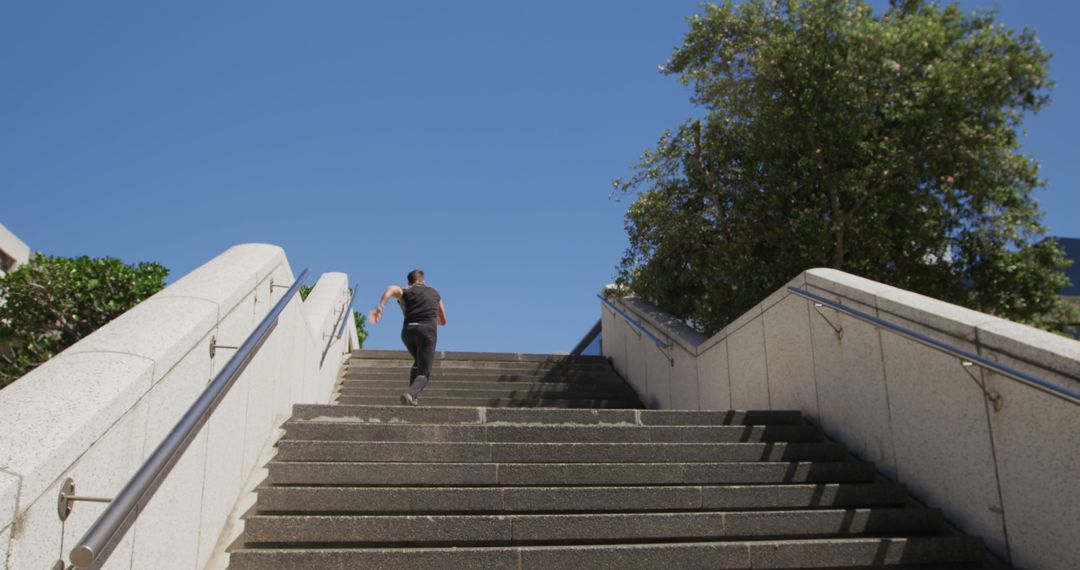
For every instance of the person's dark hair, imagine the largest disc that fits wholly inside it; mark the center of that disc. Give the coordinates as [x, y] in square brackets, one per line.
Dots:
[415, 275]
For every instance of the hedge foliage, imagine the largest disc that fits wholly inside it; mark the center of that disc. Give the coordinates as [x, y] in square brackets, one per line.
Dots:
[52, 302]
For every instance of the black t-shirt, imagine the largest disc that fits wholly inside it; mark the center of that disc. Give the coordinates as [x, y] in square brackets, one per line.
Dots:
[421, 303]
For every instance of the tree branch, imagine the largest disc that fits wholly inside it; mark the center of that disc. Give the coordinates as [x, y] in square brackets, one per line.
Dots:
[709, 185]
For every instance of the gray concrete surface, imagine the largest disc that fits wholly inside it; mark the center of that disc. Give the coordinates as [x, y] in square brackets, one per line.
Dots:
[983, 447]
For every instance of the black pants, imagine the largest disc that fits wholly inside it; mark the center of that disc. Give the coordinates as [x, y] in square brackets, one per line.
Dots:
[420, 339]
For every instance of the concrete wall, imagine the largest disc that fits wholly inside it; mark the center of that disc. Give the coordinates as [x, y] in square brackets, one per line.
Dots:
[97, 410]
[1008, 474]
[13, 248]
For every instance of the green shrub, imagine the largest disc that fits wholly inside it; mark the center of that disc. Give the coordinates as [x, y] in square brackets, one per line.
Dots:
[52, 302]
[361, 329]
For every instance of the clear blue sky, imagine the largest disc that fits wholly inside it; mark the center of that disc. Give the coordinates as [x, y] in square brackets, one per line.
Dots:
[475, 140]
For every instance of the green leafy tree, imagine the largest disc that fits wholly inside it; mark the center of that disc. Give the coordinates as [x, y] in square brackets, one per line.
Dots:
[883, 145]
[51, 302]
[360, 322]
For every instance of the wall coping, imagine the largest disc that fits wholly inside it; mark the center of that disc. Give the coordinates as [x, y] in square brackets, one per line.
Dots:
[944, 321]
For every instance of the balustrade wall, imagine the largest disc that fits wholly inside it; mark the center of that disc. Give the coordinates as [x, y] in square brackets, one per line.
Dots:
[1000, 457]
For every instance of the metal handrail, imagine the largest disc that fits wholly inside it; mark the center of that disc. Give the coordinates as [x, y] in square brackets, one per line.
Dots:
[588, 338]
[113, 523]
[347, 311]
[1034, 381]
[634, 323]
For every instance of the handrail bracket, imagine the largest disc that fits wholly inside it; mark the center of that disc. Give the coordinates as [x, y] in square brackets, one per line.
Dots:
[67, 497]
[992, 396]
[839, 329]
[272, 286]
[214, 346]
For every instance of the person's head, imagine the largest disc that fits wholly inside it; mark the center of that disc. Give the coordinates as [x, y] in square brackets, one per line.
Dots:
[416, 276]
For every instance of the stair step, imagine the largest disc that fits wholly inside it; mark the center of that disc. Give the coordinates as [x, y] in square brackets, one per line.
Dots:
[487, 380]
[453, 375]
[476, 415]
[368, 355]
[830, 552]
[469, 530]
[434, 390]
[503, 378]
[362, 386]
[548, 474]
[443, 499]
[295, 450]
[490, 367]
[349, 431]
[578, 403]
[480, 367]
[402, 383]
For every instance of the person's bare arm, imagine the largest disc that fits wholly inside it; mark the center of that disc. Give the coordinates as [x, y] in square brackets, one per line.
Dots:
[392, 292]
[442, 314]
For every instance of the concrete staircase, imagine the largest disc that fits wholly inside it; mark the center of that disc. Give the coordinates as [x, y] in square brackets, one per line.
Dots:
[485, 379]
[526, 461]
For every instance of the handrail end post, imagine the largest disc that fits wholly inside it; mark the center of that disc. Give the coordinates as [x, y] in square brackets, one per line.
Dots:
[82, 556]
